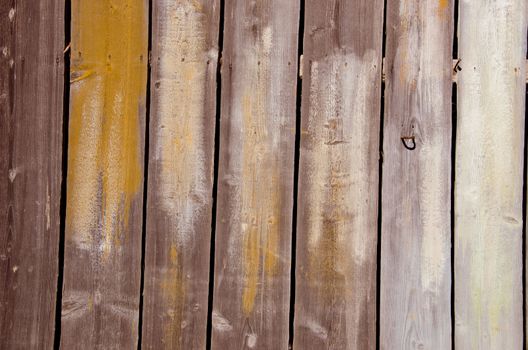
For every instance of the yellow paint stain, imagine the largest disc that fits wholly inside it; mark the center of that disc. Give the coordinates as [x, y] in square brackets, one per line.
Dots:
[260, 194]
[90, 303]
[173, 294]
[109, 48]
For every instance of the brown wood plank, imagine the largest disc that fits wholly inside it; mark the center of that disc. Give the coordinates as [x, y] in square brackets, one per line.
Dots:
[489, 175]
[183, 92]
[102, 264]
[31, 95]
[253, 237]
[335, 304]
[415, 310]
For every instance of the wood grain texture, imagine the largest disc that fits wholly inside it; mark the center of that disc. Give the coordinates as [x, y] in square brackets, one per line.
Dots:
[102, 264]
[489, 175]
[415, 310]
[257, 137]
[31, 95]
[183, 108]
[335, 304]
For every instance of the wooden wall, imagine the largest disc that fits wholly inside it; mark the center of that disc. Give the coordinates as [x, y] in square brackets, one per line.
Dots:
[272, 174]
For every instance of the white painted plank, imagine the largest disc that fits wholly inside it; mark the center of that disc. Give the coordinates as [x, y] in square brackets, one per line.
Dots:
[489, 180]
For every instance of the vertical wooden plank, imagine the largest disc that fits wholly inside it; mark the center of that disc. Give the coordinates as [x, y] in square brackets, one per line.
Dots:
[335, 304]
[253, 237]
[31, 95]
[180, 184]
[415, 309]
[105, 174]
[489, 175]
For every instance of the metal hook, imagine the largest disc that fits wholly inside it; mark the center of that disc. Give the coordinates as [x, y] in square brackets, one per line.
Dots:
[404, 140]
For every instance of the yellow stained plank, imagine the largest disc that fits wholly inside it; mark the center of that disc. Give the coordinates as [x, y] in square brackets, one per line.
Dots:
[105, 173]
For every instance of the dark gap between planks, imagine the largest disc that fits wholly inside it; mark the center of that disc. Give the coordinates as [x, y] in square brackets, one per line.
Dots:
[298, 116]
[145, 179]
[524, 204]
[452, 215]
[454, 115]
[64, 171]
[455, 28]
[380, 177]
[524, 193]
[209, 328]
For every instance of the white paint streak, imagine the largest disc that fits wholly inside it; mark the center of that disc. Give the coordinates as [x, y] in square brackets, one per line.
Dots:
[181, 113]
[339, 120]
[340, 182]
[220, 323]
[48, 200]
[434, 213]
[319, 331]
[12, 174]
[85, 165]
[251, 340]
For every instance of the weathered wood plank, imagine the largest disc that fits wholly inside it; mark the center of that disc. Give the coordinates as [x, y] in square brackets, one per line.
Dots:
[31, 95]
[415, 309]
[184, 60]
[105, 174]
[489, 175]
[253, 240]
[335, 304]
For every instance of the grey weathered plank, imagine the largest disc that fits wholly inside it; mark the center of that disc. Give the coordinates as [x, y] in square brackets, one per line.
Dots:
[102, 263]
[415, 310]
[257, 137]
[31, 94]
[489, 175]
[183, 91]
[335, 304]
